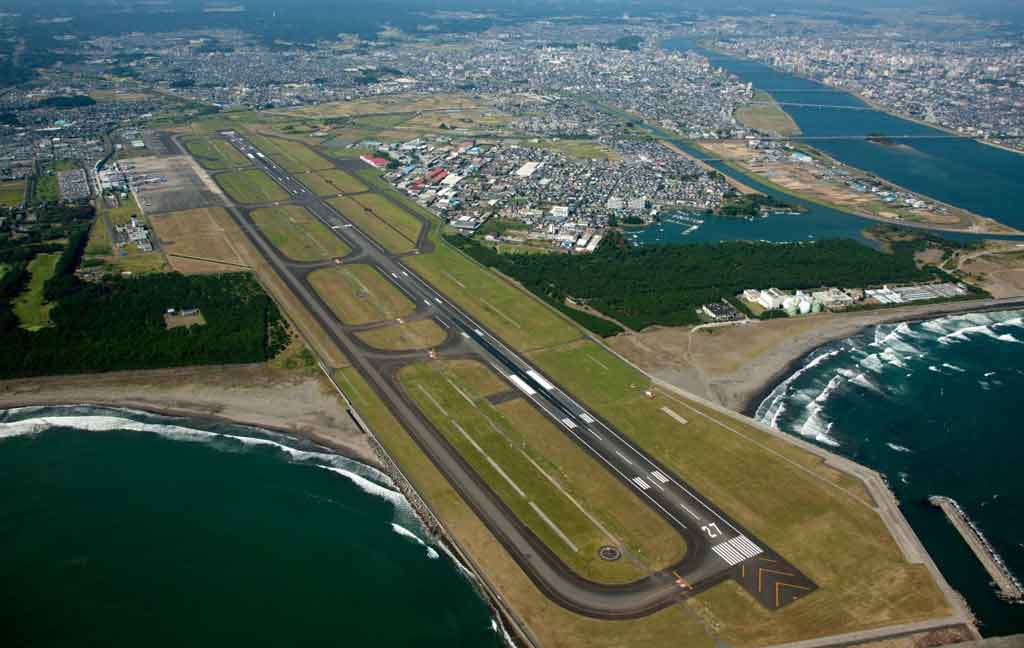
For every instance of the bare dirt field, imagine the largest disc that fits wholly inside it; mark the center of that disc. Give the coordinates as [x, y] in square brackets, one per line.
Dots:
[733, 365]
[288, 401]
[179, 189]
[196, 241]
[999, 268]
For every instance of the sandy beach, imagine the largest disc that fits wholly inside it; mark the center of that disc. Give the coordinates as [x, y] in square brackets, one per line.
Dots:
[736, 365]
[291, 402]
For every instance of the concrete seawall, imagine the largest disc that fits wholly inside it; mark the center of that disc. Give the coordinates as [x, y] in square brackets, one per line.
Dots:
[1009, 587]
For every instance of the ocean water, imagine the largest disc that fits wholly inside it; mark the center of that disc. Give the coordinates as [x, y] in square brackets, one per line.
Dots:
[932, 406]
[121, 528]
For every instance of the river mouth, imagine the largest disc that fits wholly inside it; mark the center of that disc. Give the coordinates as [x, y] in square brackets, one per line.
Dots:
[982, 179]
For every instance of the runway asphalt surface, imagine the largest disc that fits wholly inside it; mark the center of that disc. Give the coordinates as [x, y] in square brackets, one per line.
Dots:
[717, 547]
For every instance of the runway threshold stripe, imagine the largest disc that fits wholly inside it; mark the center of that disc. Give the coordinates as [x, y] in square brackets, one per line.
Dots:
[554, 528]
[728, 554]
[745, 546]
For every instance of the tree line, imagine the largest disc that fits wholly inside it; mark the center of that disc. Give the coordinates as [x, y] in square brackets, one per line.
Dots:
[667, 284]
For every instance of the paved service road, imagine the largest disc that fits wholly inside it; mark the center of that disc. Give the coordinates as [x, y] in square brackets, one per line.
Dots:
[717, 547]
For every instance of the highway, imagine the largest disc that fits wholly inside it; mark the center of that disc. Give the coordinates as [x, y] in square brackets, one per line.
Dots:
[717, 547]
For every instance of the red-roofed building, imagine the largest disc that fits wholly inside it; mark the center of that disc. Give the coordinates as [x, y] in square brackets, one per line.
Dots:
[377, 162]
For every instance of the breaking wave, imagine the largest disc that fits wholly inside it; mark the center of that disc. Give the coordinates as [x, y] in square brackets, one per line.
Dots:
[406, 533]
[881, 361]
[24, 421]
[896, 447]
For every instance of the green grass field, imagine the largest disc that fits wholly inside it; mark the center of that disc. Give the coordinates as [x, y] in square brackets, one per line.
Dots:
[293, 156]
[407, 225]
[215, 153]
[12, 193]
[766, 115]
[99, 240]
[298, 234]
[420, 334]
[532, 465]
[358, 294]
[250, 186]
[388, 237]
[504, 308]
[331, 182]
[124, 211]
[30, 306]
[46, 189]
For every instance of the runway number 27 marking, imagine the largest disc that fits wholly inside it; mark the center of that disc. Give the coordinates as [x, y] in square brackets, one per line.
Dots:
[711, 530]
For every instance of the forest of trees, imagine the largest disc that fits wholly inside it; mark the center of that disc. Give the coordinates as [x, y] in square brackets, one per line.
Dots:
[118, 324]
[67, 101]
[666, 284]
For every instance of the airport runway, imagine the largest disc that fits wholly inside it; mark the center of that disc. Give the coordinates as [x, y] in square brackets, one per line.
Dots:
[717, 547]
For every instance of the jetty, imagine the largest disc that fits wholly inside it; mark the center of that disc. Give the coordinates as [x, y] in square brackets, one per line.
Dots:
[1009, 587]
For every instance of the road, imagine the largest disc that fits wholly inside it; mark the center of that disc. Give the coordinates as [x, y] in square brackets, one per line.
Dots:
[717, 547]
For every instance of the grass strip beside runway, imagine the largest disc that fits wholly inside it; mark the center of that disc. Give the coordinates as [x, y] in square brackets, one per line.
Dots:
[215, 153]
[420, 334]
[251, 186]
[293, 156]
[358, 294]
[407, 224]
[331, 182]
[376, 228]
[298, 234]
[532, 465]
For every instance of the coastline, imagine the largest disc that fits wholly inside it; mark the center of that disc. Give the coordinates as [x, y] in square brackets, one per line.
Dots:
[285, 402]
[738, 365]
[296, 404]
[750, 407]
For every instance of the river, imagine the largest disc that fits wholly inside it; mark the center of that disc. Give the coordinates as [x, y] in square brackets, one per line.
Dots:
[962, 172]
